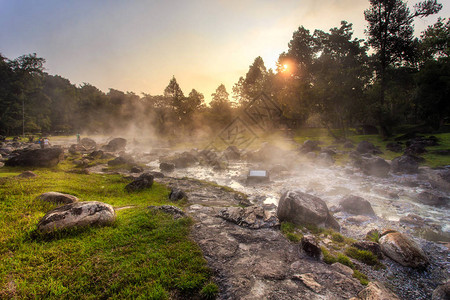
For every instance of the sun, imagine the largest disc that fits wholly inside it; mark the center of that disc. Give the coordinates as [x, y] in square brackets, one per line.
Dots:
[285, 67]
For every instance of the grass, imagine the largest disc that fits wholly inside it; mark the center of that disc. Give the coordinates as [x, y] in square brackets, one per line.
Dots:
[364, 256]
[361, 277]
[145, 254]
[291, 231]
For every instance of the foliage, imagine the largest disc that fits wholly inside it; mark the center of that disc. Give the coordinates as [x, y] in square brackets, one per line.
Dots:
[291, 231]
[343, 259]
[210, 291]
[364, 256]
[361, 277]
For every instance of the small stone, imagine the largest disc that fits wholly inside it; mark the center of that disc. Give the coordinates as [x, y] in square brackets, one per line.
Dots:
[309, 281]
[166, 167]
[310, 245]
[57, 198]
[442, 292]
[358, 219]
[177, 194]
[27, 174]
[343, 269]
[376, 291]
[145, 181]
[169, 209]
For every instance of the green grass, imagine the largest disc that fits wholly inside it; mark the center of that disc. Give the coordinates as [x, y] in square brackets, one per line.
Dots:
[364, 256]
[145, 254]
[363, 279]
[291, 231]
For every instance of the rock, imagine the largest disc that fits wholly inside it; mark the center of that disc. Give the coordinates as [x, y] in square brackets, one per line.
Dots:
[394, 147]
[145, 181]
[373, 247]
[310, 146]
[76, 149]
[253, 217]
[169, 209]
[358, 219]
[349, 145]
[376, 291]
[166, 167]
[81, 162]
[403, 250]
[343, 269]
[88, 144]
[310, 245]
[415, 149]
[116, 144]
[156, 174]
[136, 169]
[301, 208]
[433, 198]
[48, 157]
[78, 214]
[356, 205]
[309, 281]
[375, 167]
[27, 174]
[57, 198]
[367, 129]
[177, 194]
[367, 147]
[96, 154]
[412, 219]
[404, 164]
[232, 153]
[183, 160]
[442, 292]
[121, 160]
[311, 155]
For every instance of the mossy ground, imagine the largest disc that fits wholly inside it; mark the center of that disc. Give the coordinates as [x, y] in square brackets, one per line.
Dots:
[145, 254]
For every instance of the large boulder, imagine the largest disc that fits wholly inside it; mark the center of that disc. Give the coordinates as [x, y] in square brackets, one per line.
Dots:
[48, 157]
[78, 214]
[57, 198]
[116, 144]
[394, 147]
[404, 164]
[145, 181]
[166, 167]
[177, 194]
[356, 205]
[403, 250]
[121, 160]
[375, 167]
[373, 247]
[375, 291]
[433, 198]
[301, 208]
[88, 144]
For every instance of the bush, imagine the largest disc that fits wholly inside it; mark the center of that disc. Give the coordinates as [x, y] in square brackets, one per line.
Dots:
[337, 237]
[209, 291]
[363, 279]
[327, 257]
[343, 259]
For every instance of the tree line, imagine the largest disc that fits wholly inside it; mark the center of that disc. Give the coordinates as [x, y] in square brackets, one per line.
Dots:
[327, 78]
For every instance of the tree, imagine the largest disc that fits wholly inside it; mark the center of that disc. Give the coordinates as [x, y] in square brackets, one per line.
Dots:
[390, 33]
[221, 110]
[435, 40]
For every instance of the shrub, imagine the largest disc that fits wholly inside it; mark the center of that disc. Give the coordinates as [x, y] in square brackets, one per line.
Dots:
[343, 259]
[327, 257]
[364, 256]
[361, 277]
[337, 237]
[210, 291]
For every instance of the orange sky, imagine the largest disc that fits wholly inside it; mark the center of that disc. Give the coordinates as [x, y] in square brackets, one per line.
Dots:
[138, 45]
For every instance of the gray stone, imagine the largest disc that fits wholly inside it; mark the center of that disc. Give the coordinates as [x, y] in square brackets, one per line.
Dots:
[404, 164]
[367, 147]
[442, 292]
[301, 208]
[253, 217]
[376, 291]
[116, 144]
[145, 181]
[343, 269]
[310, 245]
[27, 174]
[88, 144]
[169, 209]
[373, 247]
[49, 157]
[166, 167]
[177, 194]
[403, 250]
[375, 167]
[78, 214]
[356, 205]
[57, 198]
[433, 198]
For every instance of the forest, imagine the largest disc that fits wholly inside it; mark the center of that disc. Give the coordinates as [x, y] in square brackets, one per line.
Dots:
[324, 79]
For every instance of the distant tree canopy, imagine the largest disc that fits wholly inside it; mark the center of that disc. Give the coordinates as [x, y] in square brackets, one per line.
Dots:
[330, 77]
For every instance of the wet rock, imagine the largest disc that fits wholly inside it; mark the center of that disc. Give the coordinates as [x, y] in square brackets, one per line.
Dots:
[412, 219]
[311, 155]
[27, 174]
[169, 209]
[268, 153]
[183, 160]
[415, 149]
[277, 169]
[78, 214]
[232, 153]
[166, 167]
[156, 174]
[367, 147]
[404, 164]
[375, 167]
[343, 269]
[49, 157]
[254, 217]
[311, 247]
[356, 205]
[373, 247]
[433, 198]
[310, 146]
[116, 144]
[376, 291]
[145, 181]
[301, 208]
[403, 250]
[88, 144]
[136, 169]
[81, 162]
[121, 160]
[76, 149]
[394, 147]
[325, 159]
[177, 194]
[442, 292]
[57, 198]
[440, 179]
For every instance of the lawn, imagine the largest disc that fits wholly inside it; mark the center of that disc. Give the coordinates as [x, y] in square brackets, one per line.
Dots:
[145, 254]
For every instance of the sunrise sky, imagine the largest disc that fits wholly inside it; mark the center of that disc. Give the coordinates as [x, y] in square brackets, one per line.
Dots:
[138, 45]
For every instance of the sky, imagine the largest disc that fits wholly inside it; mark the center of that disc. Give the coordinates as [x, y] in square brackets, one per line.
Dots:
[137, 46]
